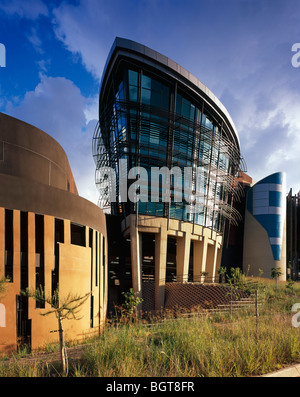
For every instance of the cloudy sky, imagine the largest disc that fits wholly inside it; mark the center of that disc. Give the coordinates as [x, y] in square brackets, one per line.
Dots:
[240, 49]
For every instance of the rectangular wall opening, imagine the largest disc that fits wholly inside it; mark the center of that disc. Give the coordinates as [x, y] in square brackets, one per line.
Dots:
[24, 249]
[92, 312]
[23, 323]
[148, 256]
[78, 235]
[58, 238]
[92, 298]
[103, 259]
[171, 259]
[191, 262]
[39, 256]
[97, 259]
[9, 244]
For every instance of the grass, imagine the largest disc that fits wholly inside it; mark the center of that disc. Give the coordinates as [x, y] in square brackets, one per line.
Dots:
[216, 345]
[193, 348]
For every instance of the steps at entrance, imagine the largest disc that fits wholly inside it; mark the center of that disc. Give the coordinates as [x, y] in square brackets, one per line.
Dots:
[196, 297]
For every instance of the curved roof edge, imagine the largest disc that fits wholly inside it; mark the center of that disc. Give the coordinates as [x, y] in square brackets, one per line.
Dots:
[169, 63]
[31, 196]
[278, 178]
[32, 153]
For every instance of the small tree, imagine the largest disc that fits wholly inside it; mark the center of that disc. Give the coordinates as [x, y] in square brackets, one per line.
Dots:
[66, 308]
[3, 282]
[276, 273]
[236, 278]
[222, 272]
[260, 272]
[131, 303]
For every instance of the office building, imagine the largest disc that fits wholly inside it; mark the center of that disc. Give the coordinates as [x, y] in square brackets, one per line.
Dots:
[50, 238]
[167, 154]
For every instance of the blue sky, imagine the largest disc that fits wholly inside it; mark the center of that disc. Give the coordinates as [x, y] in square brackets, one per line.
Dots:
[240, 49]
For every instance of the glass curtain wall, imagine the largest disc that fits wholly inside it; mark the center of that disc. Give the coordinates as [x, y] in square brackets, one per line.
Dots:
[149, 122]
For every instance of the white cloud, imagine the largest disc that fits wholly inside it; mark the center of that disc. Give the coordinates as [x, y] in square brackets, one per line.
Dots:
[270, 137]
[91, 110]
[35, 41]
[57, 107]
[43, 65]
[247, 66]
[81, 28]
[30, 9]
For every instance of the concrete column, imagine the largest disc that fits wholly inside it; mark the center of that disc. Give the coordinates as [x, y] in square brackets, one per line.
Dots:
[105, 283]
[101, 280]
[183, 257]
[219, 257]
[215, 262]
[31, 265]
[49, 252]
[31, 252]
[282, 263]
[161, 240]
[199, 260]
[211, 261]
[136, 258]
[67, 232]
[16, 248]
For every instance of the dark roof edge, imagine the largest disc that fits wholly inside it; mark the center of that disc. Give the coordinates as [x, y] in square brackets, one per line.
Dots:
[169, 63]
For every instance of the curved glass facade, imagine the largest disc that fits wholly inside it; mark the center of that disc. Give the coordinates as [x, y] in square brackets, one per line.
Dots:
[150, 120]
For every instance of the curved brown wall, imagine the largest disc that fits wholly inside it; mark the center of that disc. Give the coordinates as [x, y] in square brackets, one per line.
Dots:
[35, 175]
[30, 196]
[30, 153]
[36, 179]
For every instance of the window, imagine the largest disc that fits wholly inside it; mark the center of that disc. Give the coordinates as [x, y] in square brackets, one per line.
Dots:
[146, 96]
[153, 93]
[178, 104]
[133, 93]
[120, 93]
[78, 235]
[132, 78]
[58, 238]
[155, 99]
[133, 82]
[59, 231]
[185, 108]
[208, 122]
[154, 133]
[146, 82]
